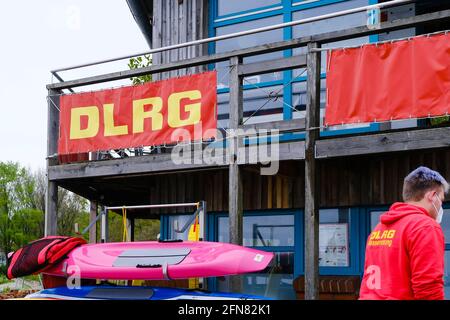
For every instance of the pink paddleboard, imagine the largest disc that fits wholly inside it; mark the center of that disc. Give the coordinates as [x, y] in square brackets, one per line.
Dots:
[154, 260]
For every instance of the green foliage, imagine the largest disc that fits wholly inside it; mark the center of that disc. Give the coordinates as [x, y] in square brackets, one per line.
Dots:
[26, 226]
[3, 279]
[140, 62]
[22, 206]
[115, 227]
[439, 120]
[20, 220]
[146, 229]
[71, 209]
[3, 269]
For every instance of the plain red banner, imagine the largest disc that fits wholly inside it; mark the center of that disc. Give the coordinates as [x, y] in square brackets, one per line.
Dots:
[399, 80]
[150, 114]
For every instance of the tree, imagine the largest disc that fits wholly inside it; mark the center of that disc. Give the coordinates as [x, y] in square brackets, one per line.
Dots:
[22, 207]
[71, 207]
[26, 226]
[140, 62]
[146, 229]
[20, 220]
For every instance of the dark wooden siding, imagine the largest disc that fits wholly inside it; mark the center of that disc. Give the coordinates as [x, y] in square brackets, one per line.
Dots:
[355, 181]
[344, 182]
[179, 21]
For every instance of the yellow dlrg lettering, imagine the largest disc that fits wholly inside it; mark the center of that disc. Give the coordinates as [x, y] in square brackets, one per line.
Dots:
[194, 109]
[93, 122]
[375, 235]
[110, 128]
[139, 114]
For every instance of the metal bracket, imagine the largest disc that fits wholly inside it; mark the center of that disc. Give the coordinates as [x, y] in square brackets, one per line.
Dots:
[165, 271]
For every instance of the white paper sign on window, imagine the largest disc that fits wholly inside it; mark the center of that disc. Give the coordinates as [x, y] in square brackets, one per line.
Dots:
[333, 245]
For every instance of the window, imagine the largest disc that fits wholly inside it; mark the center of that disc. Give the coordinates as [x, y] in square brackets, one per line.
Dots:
[227, 7]
[273, 232]
[375, 218]
[262, 231]
[246, 42]
[233, 16]
[252, 39]
[334, 238]
[331, 24]
[328, 25]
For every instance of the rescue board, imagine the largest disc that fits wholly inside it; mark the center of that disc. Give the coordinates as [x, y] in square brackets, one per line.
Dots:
[153, 260]
[136, 293]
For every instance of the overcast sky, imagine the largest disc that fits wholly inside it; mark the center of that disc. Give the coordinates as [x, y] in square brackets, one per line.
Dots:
[39, 36]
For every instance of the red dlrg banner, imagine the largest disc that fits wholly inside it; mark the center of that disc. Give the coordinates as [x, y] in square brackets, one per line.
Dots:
[400, 80]
[154, 113]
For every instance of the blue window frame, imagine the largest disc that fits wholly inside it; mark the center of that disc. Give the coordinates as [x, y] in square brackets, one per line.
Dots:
[287, 10]
[229, 8]
[269, 230]
[356, 240]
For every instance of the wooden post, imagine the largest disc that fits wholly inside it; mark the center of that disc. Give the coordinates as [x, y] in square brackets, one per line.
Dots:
[235, 200]
[51, 197]
[93, 216]
[311, 175]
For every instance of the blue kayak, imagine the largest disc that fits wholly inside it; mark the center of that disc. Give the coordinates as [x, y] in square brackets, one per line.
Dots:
[105, 292]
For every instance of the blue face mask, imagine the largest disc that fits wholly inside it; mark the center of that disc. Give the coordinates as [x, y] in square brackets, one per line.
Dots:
[439, 212]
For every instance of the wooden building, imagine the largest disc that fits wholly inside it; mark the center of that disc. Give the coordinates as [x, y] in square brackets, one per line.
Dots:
[336, 181]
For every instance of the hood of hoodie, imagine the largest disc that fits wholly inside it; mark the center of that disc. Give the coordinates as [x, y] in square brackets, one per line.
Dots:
[399, 210]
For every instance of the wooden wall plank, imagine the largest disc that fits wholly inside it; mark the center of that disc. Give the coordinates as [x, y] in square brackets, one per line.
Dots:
[216, 191]
[257, 203]
[269, 192]
[375, 180]
[209, 189]
[298, 197]
[264, 192]
[354, 182]
[286, 186]
[190, 187]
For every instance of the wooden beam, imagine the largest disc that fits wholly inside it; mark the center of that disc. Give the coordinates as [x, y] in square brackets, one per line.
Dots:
[258, 50]
[408, 140]
[159, 163]
[129, 166]
[235, 190]
[312, 188]
[235, 181]
[51, 197]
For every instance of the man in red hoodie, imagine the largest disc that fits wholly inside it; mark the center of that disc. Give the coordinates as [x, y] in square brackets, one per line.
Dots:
[405, 252]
